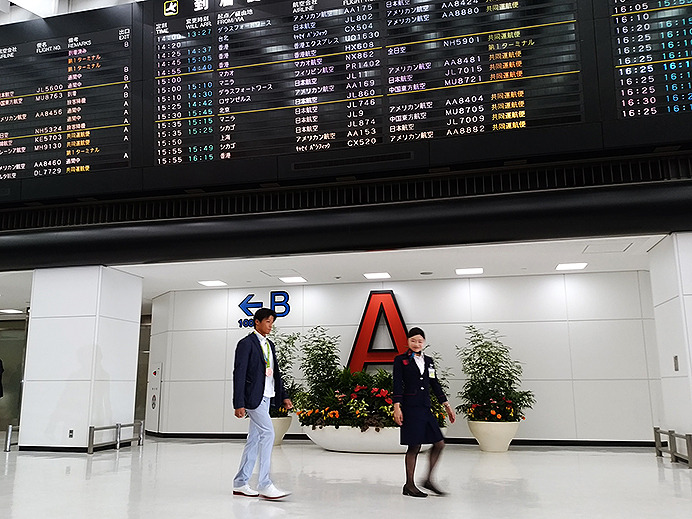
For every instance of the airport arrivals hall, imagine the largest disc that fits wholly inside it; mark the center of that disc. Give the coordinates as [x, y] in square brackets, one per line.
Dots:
[469, 221]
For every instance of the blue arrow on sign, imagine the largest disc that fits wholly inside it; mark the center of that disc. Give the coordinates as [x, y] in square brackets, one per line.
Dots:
[246, 304]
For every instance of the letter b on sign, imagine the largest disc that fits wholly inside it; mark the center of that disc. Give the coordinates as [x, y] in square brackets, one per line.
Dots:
[279, 303]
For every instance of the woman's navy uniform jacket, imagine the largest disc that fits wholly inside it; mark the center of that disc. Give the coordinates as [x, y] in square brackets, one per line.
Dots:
[411, 388]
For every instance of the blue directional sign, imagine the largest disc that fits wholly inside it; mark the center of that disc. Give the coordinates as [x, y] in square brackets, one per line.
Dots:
[278, 303]
[246, 304]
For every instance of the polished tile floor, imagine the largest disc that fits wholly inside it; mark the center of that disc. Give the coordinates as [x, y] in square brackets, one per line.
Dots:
[192, 479]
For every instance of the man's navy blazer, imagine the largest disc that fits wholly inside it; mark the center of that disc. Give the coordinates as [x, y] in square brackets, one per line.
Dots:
[249, 374]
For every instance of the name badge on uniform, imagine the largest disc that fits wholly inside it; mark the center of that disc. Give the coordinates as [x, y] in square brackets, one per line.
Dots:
[431, 372]
[268, 372]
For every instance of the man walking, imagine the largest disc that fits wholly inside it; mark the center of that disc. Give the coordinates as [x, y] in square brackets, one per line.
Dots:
[256, 380]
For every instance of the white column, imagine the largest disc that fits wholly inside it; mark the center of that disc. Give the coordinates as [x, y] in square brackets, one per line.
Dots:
[671, 285]
[191, 342]
[82, 352]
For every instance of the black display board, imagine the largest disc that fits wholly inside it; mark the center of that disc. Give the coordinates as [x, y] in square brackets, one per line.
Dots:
[66, 95]
[646, 71]
[169, 94]
[330, 87]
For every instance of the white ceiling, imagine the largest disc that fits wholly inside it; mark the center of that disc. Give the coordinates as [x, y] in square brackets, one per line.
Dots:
[22, 10]
[613, 254]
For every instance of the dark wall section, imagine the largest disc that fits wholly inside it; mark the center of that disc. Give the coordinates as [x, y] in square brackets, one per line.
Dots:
[586, 212]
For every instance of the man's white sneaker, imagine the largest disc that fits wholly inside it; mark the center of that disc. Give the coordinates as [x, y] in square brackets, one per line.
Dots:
[245, 490]
[271, 492]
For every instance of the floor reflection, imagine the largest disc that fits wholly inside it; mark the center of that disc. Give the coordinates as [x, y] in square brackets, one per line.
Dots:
[192, 479]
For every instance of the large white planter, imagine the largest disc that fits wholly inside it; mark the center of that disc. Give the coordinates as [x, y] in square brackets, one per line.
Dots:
[352, 439]
[281, 425]
[493, 436]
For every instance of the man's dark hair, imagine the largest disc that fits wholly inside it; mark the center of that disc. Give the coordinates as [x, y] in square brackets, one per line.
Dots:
[263, 313]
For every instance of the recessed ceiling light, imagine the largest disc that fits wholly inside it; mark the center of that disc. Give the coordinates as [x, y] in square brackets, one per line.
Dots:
[212, 283]
[469, 271]
[571, 266]
[377, 275]
[11, 311]
[294, 279]
[44, 9]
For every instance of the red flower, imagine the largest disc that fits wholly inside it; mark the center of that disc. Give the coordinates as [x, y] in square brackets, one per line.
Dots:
[388, 400]
[405, 362]
[353, 396]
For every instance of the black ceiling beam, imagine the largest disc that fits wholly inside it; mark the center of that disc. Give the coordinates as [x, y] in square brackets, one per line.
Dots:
[641, 209]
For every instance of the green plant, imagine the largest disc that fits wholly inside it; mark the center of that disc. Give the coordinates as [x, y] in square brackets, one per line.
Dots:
[443, 374]
[286, 347]
[358, 399]
[491, 391]
[319, 363]
[335, 396]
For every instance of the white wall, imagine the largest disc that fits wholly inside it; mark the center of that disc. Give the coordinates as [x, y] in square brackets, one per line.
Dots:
[81, 354]
[672, 297]
[587, 342]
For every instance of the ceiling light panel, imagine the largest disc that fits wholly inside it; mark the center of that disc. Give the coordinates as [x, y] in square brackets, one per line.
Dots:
[571, 266]
[213, 283]
[294, 279]
[377, 275]
[470, 271]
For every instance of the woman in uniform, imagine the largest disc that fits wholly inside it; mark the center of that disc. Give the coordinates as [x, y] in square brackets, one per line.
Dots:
[414, 377]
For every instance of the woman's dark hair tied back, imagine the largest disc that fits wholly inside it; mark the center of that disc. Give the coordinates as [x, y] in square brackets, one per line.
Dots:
[415, 331]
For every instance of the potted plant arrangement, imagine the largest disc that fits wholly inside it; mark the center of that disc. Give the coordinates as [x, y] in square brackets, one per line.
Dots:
[491, 399]
[358, 405]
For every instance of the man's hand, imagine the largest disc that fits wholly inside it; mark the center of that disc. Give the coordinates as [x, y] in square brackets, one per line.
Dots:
[240, 412]
[288, 404]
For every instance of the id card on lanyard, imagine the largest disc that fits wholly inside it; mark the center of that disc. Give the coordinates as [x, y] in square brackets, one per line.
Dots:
[267, 359]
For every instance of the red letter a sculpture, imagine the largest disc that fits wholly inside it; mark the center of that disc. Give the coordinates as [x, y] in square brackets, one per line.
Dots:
[380, 302]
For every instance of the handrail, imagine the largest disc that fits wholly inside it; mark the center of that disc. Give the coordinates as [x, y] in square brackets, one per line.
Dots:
[137, 431]
[672, 449]
[8, 437]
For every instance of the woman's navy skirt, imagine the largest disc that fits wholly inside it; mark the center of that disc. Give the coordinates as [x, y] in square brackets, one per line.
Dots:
[419, 426]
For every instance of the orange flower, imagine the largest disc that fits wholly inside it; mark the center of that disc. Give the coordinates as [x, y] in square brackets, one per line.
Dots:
[492, 411]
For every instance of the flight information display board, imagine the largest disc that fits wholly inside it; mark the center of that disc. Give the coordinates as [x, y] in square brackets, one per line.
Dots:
[243, 78]
[165, 95]
[652, 54]
[65, 103]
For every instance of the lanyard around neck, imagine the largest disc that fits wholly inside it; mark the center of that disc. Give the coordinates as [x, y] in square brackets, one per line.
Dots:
[266, 352]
